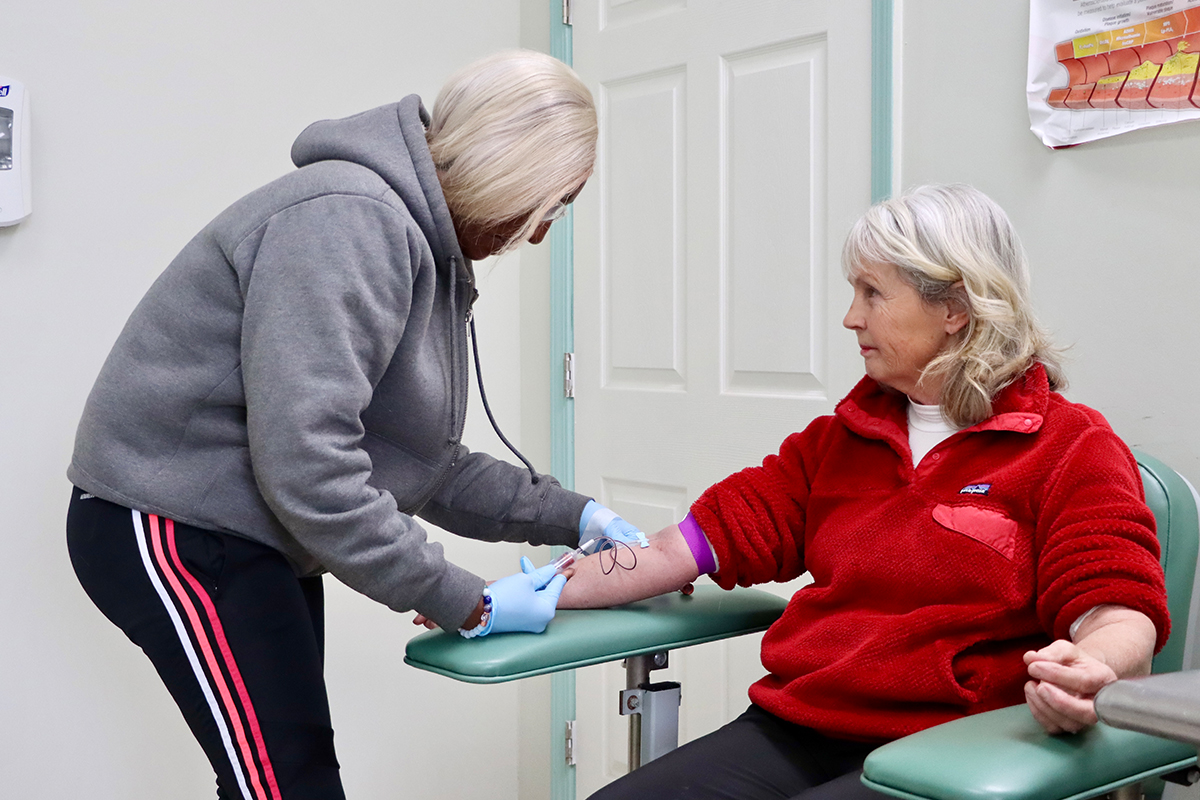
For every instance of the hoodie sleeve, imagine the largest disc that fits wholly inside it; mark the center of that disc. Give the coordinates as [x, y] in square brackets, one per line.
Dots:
[325, 305]
[493, 500]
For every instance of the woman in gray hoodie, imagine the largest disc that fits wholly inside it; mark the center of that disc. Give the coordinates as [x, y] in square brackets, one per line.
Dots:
[289, 397]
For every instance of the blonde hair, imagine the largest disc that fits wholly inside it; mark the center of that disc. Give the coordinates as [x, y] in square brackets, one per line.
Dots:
[954, 244]
[511, 135]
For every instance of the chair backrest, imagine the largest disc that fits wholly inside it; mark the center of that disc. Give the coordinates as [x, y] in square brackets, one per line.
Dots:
[1174, 505]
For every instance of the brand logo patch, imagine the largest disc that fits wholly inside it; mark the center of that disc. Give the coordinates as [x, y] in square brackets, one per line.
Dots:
[4, 90]
[976, 488]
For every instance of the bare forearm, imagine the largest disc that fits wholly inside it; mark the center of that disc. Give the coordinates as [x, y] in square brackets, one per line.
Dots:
[1112, 642]
[665, 566]
[1120, 637]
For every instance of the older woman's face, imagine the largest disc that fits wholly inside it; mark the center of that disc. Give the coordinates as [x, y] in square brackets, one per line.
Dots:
[898, 332]
[478, 241]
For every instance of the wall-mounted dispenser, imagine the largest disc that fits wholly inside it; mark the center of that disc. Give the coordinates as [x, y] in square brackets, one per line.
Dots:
[15, 187]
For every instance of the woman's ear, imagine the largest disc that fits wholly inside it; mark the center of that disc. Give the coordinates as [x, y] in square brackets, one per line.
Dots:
[958, 309]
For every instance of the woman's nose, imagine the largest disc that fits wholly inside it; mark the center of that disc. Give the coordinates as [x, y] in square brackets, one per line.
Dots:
[853, 319]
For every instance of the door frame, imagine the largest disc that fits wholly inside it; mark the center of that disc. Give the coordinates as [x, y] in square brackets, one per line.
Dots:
[562, 417]
[885, 28]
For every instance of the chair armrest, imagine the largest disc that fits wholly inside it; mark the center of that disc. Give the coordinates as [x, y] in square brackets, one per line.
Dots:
[1161, 705]
[1006, 755]
[594, 636]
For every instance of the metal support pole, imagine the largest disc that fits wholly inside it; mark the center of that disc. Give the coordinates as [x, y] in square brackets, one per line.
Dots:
[637, 672]
[660, 719]
[1132, 791]
[652, 708]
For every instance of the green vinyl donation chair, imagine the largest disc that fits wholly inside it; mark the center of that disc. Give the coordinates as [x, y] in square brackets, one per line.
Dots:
[1001, 754]
[1006, 755]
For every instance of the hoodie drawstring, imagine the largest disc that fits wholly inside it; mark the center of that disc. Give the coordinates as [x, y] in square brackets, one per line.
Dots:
[483, 395]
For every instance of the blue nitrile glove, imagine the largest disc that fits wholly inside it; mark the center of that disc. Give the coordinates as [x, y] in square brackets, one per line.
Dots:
[525, 601]
[598, 520]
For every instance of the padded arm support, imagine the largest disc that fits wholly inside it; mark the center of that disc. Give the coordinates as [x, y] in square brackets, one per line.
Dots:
[595, 636]
[1006, 755]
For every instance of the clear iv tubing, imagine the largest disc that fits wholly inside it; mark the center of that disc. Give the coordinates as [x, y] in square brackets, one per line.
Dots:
[567, 559]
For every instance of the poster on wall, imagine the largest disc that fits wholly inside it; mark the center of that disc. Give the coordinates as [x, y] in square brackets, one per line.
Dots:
[1099, 68]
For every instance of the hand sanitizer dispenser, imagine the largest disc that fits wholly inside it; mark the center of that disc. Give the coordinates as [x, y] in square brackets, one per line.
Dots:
[15, 195]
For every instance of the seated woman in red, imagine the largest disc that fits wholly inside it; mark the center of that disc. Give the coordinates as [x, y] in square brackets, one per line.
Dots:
[974, 539]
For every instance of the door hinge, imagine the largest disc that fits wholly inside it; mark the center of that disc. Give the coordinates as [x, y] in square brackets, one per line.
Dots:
[568, 374]
[566, 9]
[570, 749]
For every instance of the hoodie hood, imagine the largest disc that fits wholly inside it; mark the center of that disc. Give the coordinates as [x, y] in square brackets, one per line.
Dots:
[390, 141]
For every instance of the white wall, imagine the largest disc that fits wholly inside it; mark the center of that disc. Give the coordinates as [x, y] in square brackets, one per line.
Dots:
[1110, 226]
[149, 118]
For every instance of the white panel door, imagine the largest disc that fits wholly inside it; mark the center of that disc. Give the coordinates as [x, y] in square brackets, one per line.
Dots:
[734, 155]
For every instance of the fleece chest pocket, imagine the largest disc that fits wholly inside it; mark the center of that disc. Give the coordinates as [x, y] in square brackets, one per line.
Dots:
[985, 526]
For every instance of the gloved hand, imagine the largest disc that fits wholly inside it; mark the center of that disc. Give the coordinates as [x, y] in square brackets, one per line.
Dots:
[598, 520]
[525, 601]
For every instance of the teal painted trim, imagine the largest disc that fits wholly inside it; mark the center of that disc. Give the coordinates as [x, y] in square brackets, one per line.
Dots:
[562, 340]
[562, 422]
[562, 301]
[560, 35]
[562, 466]
[882, 27]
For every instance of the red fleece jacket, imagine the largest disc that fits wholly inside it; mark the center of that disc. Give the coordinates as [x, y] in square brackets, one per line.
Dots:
[930, 583]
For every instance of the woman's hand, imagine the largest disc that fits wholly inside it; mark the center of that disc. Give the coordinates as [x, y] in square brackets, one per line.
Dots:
[1112, 642]
[598, 520]
[1065, 681]
[528, 600]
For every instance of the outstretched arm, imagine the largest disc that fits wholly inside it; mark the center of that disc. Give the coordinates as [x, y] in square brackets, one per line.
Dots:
[665, 566]
[1112, 642]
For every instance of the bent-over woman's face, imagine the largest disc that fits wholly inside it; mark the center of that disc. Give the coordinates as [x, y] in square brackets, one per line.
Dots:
[477, 242]
[898, 332]
[480, 240]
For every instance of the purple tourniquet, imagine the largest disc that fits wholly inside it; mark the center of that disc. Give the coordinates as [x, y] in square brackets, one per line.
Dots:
[698, 544]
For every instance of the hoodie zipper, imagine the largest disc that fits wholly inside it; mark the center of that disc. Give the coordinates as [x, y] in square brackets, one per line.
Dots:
[461, 418]
[469, 330]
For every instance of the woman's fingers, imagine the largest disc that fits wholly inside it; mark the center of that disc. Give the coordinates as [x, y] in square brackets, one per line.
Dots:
[1045, 716]
[1070, 668]
[1059, 711]
[1059, 651]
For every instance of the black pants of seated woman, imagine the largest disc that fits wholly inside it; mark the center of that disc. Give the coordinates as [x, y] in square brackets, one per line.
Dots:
[236, 637]
[758, 756]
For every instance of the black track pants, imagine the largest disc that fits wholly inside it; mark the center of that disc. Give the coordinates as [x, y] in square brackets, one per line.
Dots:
[236, 637]
[758, 756]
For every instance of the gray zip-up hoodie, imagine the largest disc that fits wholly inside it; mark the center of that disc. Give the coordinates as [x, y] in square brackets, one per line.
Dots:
[298, 376]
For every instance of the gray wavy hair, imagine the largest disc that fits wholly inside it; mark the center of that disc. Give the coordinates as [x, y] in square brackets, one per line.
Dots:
[953, 243]
[511, 135]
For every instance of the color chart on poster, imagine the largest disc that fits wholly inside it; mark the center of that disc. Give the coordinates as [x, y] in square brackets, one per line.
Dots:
[1099, 68]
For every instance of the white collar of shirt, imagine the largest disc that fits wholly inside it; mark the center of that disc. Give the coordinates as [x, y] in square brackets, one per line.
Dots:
[927, 428]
